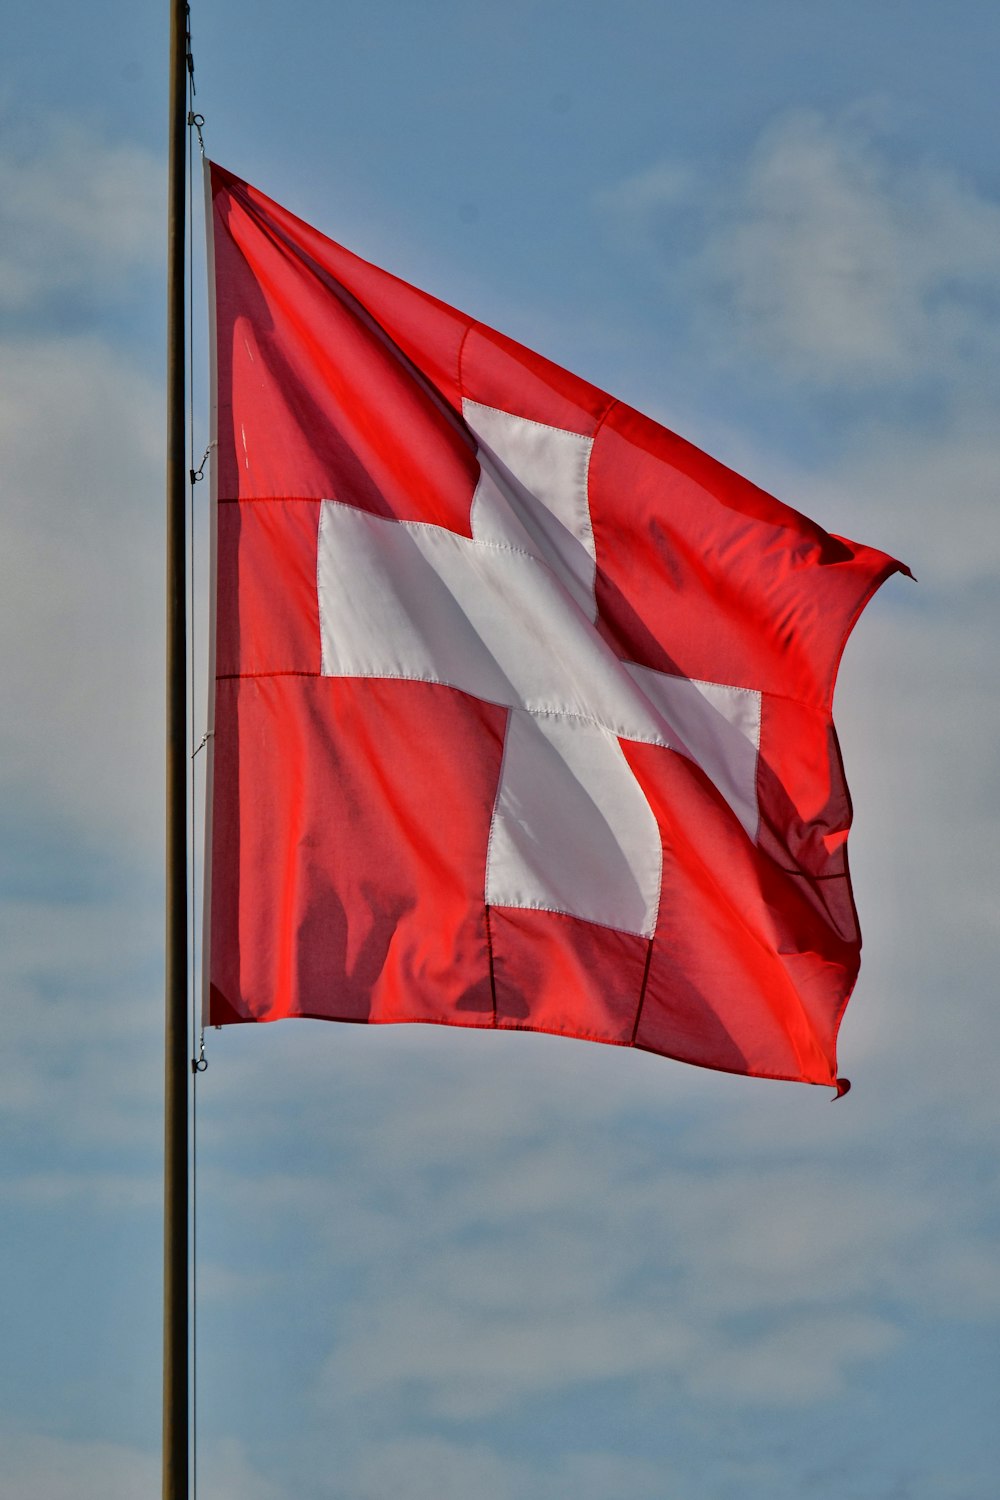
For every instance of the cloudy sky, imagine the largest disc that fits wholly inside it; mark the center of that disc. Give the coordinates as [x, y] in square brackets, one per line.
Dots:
[432, 1264]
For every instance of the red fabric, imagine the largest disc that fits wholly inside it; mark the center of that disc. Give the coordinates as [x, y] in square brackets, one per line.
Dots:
[351, 816]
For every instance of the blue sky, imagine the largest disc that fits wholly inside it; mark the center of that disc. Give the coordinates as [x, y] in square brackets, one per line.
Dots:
[435, 1264]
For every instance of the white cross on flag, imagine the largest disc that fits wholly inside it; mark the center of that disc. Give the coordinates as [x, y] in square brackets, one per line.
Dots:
[522, 704]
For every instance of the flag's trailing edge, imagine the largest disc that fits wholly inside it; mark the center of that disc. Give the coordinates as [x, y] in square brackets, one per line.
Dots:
[522, 703]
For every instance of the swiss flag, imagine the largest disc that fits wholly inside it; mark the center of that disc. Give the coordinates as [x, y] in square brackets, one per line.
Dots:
[522, 703]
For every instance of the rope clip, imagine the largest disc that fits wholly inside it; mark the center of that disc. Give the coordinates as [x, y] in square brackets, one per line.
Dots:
[199, 472]
[197, 121]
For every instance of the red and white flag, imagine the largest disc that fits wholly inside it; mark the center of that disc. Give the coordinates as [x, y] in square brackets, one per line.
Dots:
[522, 703]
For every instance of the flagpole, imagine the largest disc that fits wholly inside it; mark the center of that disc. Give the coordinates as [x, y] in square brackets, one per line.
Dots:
[176, 1049]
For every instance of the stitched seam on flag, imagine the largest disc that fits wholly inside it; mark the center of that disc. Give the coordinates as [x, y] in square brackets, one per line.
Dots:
[816, 708]
[530, 421]
[592, 549]
[461, 351]
[273, 500]
[659, 851]
[537, 713]
[489, 954]
[496, 801]
[614, 729]
[645, 977]
[574, 916]
[278, 672]
[738, 687]
[319, 588]
[605, 414]
[730, 687]
[659, 841]
[477, 542]
[756, 764]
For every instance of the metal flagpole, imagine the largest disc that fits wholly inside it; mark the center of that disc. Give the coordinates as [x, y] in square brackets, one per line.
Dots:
[176, 1051]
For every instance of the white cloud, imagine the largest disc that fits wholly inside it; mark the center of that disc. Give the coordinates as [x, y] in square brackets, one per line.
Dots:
[643, 197]
[107, 1192]
[46, 1467]
[81, 492]
[432, 1469]
[468, 1356]
[839, 267]
[226, 1473]
[80, 1033]
[573, 1264]
[932, 495]
[825, 259]
[81, 587]
[781, 1366]
[51, 1468]
[81, 548]
[77, 214]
